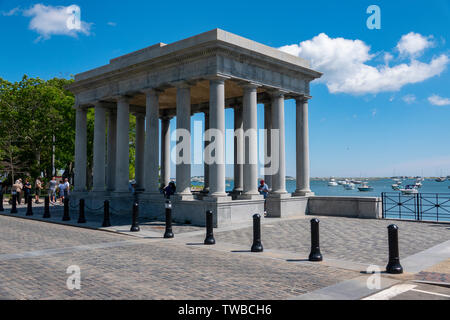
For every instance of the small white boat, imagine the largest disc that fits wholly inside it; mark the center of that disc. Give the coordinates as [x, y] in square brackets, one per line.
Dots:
[355, 181]
[442, 179]
[349, 186]
[343, 182]
[365, 187]
[332, 183]
[410, 189]
[396, 186]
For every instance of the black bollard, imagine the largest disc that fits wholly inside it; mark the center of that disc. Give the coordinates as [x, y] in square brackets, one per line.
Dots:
[315, 254]
[393, 266]
[257, 245]
[135, 225]
[81, 217]
[106, 222]
[1, 202]
[168, 233]
[46, 207]
[209, 228]
[14, 204]
[66, 216]
[29, 206]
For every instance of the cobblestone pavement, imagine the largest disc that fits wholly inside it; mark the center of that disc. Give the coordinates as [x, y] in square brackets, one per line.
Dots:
[437, 273]
[146, 269]
[18, 235]
[358, 240]
[121, 222]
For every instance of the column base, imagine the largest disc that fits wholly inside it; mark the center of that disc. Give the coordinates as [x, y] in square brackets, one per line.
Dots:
[182, 197]
[121, 194]
[283, 195]
[151, 196]
[251, 196]
[286, 206]
[221, 198]
[98, 193]
[235, 194]
[303, 193]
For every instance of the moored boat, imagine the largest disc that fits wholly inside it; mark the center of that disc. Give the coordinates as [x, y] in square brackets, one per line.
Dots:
[365, 187]
[332, 183]
[349, 186]
[410, 189]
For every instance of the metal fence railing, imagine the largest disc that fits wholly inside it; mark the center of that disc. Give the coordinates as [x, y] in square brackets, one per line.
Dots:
[419, 206]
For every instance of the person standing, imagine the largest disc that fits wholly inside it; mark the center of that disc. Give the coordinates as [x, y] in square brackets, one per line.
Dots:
[27, 190]
[67, 189]
[264, 190]
[61, 188]
[52, 189]
[37, 189]
[17, 187]
[169, 190]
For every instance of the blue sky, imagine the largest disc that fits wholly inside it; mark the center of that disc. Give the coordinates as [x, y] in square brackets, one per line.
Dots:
[382, 108]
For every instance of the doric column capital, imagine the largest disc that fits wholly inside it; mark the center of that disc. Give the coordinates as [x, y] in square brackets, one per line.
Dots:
[184, 84]
[302, 98]
[81, 107]
[122, 98]
[276, 93]
[139, 115]
[249, 85]
[217, 78]
[99, 104]
[152, 91]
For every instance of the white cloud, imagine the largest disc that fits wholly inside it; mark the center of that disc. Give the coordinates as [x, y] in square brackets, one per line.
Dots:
[49, 20]
[438, 101]
[374, 112]
[112, 24]
[409, 98]
[345, 68]
[413, 44]
[387, 58]
[11, 12]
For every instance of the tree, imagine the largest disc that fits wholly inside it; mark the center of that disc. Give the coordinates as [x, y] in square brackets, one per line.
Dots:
[32, 112]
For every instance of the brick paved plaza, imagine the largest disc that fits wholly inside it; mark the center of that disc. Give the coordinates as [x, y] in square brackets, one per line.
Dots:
[34, 256]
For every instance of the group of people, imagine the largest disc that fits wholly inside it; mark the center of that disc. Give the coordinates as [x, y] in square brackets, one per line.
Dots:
[56, 190]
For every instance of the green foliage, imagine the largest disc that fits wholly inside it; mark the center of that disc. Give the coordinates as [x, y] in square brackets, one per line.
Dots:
[33, 114]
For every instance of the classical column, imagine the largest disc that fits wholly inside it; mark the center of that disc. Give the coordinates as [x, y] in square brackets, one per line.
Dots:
[250, 143]
[152, 142]
[122, 144]
[111, 145]
[217, 129]
[238, 150]
[302, 145]
[205, 156]
[165, 151]
[80, 149]
[99, 148]
[140, 150]
[183, 149]
[278, 149]
[267, 143]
